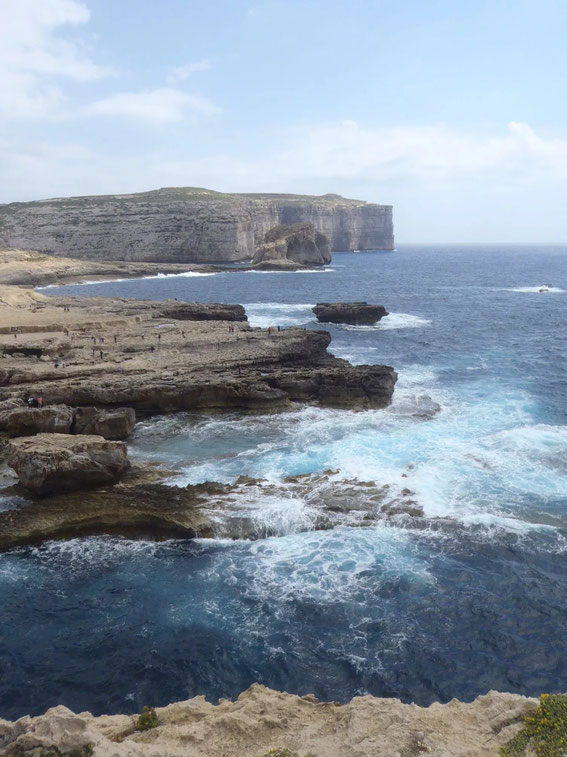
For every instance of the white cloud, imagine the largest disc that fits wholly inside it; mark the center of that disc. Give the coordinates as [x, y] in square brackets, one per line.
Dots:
[184, 72]
[164, 105]
[350, 152]
[427, 152]
[33, 56]
[445, 184]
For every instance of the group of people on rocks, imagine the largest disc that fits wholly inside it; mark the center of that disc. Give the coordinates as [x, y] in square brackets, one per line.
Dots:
[35, 402]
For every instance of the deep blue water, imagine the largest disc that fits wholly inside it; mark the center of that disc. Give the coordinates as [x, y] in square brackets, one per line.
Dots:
[109, 625]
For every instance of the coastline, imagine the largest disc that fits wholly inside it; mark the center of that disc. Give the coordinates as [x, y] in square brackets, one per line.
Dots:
[483, 739]
[261, 719]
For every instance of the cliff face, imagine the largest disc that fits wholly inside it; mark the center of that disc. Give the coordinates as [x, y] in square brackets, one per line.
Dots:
[186, 225]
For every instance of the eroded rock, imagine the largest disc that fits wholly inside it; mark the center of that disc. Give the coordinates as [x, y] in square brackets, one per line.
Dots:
[111, 424]
[349, 312]
[261, 718]
[290, 246]
[48, 463]
[26, 421]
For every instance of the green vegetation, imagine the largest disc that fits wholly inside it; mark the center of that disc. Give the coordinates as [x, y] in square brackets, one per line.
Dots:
[148, 719]
[167, 194]
[545, 732]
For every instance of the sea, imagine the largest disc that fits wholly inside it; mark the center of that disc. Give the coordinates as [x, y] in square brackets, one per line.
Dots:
[475, 599]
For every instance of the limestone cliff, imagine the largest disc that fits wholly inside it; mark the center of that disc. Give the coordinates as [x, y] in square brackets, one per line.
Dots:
[181, 225]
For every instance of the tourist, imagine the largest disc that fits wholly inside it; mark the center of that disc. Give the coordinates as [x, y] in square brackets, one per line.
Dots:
[40, 401]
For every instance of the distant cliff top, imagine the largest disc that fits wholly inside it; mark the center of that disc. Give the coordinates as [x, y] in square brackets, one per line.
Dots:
[186, 224]
[169, 194]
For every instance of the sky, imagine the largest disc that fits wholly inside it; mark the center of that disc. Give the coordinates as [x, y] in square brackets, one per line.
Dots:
[452, 111]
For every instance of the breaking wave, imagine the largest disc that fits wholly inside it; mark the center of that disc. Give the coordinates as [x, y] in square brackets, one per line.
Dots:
[391, 321]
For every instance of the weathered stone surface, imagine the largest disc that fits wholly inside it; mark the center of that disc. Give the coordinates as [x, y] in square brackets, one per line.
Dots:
[338, 384]
[290, 246]
[201, 311]
[26, 421]
[48, 463]
[111, 424]
[168, 356]
[262, 719]
[181, 225]
[132, 508]
[349, 312]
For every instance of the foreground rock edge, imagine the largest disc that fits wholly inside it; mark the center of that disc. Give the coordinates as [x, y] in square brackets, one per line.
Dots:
[261, 719]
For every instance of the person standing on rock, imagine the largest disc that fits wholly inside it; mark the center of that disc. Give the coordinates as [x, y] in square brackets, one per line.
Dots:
[40, 401]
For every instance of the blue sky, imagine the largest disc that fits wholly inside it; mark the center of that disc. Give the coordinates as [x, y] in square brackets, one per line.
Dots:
[452, 111]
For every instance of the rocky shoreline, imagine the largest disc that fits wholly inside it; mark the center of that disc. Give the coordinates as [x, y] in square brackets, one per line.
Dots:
[35, 269]
[95, 363]
[262, 719]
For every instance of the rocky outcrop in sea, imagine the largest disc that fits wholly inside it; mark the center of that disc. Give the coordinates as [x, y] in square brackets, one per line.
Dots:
[349, 312]
[290, 246]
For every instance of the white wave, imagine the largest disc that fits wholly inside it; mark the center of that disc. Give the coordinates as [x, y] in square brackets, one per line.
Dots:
[391, 321]
[302, 270]
[331, 566]
[541, 289]
[186, 275]
[82, 553]
[90, 282]
[266, 314]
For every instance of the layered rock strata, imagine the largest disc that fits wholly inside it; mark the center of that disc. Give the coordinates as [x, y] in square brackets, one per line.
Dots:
[349, 312]
[262, 719]
[181, 225]
[16, 419]
[290, 246]
[111, 353]
[48, 463]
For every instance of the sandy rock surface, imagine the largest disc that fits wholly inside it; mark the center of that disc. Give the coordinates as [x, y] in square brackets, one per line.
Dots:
[262, 719]
[48, 463]
[168, 356]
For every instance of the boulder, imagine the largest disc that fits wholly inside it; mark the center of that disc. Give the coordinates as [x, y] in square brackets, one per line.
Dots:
[26, 421]
[111, 424]
[49, 463]
[292, 246]
[349, 312]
